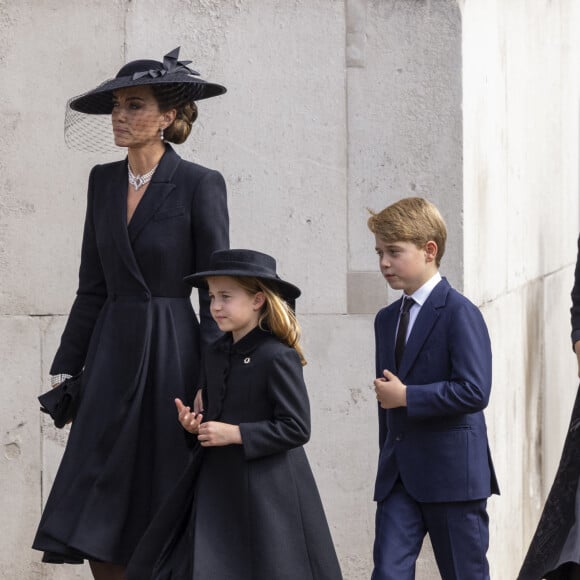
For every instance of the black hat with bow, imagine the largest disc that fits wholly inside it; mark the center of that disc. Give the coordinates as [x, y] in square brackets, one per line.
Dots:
[171, 71]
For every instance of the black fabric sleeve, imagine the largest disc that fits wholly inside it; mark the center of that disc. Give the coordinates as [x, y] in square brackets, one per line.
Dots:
[290, 425]
[211, 231]
[91, 295]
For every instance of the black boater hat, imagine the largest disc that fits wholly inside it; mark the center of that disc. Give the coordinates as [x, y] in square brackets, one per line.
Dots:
[171, 71]
[245, 263]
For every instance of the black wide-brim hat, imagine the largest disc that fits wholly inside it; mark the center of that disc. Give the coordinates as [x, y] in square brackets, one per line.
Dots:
[245, 263]
[136, 73]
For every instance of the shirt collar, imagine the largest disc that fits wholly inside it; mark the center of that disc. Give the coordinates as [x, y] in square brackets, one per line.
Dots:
[421, 294]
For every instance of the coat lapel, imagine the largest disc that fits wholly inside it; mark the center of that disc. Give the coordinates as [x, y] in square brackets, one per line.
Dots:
[117, 218]
[426, 319]
[159, 189]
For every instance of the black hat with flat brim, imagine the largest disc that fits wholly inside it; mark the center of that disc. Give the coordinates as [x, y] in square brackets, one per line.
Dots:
[245, 263]
[136, 73]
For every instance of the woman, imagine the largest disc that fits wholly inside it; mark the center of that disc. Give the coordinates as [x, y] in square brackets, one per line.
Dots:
[151, 219]
[554, 552]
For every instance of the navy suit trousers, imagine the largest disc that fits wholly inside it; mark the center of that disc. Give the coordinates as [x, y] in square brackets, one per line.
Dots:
[459, 534]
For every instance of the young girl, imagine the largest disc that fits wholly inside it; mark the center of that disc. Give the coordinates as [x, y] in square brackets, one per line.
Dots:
[255, 512]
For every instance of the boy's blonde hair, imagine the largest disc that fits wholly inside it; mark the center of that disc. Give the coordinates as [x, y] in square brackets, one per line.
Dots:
[412, 219]
[277, 316]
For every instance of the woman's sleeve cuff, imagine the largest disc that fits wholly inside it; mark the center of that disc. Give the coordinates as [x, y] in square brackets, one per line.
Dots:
[57, 379]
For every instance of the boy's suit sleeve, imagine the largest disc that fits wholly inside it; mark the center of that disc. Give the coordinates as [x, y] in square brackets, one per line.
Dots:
[378, 373]
[468, 388]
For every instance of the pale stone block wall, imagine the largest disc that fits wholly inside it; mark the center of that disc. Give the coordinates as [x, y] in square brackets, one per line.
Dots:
[20, 443]
[48, 54]
[521, 96]
[404, 123]
[344, 444]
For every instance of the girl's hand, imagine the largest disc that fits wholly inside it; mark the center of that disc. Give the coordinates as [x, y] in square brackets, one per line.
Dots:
[189, 421]
[198, 403]
[216, 434]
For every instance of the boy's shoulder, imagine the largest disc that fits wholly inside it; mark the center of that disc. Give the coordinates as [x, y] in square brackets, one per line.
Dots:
[385, 310]
[456, 301]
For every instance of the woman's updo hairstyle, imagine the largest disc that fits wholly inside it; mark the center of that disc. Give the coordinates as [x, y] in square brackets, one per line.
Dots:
[178, 97]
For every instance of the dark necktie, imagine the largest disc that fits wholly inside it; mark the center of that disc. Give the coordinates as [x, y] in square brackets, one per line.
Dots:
[402, 330]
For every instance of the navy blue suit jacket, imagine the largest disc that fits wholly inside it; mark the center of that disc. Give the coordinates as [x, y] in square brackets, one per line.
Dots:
[438, 443]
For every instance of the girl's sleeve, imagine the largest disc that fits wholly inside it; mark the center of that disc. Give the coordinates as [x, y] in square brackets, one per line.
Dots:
[290, 425]
[91, 295]
[211, 232]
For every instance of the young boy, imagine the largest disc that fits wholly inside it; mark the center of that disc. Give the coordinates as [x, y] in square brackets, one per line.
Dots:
[433, 365]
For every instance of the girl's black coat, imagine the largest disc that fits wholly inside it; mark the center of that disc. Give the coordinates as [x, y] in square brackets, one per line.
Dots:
[133, 329]
[252, 511]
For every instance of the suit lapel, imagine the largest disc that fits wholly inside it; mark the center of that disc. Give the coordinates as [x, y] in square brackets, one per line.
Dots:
[159, 189]
[426, 319]
[390, 327]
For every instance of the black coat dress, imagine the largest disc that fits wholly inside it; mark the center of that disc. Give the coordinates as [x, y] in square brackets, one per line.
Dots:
[554, 552]
[133, 329]
[251, 511]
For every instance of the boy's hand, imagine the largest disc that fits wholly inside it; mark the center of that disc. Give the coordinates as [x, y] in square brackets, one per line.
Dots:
[216, 434]
[189, 421]
[391, 392]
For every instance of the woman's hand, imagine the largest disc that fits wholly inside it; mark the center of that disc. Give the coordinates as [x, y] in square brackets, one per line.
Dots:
[216, 434]
[189, 421]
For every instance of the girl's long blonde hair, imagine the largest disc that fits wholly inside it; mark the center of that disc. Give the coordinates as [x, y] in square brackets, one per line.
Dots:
[277, 316]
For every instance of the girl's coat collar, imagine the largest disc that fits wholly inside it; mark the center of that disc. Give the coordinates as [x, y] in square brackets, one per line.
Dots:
[246, 344]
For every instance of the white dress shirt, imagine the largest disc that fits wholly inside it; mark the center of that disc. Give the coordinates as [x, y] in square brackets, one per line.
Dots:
[420, 297]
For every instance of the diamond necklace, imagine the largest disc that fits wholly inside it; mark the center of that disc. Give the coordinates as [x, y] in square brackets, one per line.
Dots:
[138, 181]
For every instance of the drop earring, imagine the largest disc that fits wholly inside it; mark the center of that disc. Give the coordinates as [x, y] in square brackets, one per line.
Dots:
[161, 133]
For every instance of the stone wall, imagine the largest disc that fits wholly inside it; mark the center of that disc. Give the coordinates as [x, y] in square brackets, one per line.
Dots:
[520, 110]
[333, 107]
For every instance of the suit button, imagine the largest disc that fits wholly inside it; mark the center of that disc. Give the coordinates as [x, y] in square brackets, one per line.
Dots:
[399, 438]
